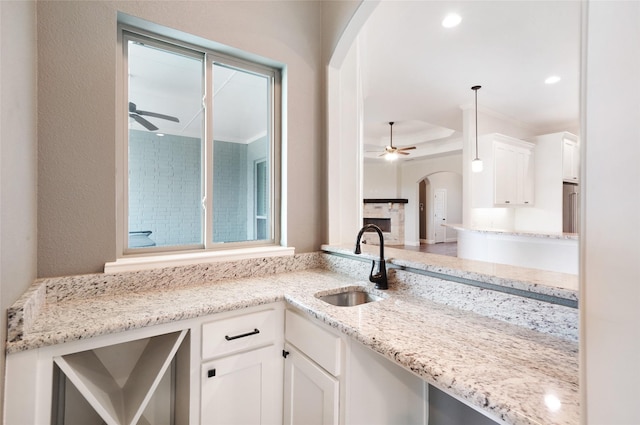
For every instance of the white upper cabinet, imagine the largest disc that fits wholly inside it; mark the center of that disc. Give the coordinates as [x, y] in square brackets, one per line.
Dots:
[508, 178]
[570, 158]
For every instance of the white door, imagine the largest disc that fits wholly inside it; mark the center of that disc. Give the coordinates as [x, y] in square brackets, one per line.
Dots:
[310, 393]
[439, 214]
[243, 389]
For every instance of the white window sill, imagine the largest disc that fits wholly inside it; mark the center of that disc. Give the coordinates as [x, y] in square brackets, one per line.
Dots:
[130, 264]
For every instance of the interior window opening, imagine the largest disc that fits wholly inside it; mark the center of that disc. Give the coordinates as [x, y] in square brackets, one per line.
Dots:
[200, 152]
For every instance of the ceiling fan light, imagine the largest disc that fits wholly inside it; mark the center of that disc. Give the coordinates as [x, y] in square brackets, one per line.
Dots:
[391, 156]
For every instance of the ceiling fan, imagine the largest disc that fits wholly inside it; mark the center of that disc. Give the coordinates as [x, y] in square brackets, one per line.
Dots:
[391, 152]
[136, 114]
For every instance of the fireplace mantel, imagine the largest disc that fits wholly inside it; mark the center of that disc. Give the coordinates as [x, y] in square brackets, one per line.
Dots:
[386, 201]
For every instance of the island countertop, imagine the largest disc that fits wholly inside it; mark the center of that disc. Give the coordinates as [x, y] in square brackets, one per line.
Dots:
[504, 370]
[511, 232]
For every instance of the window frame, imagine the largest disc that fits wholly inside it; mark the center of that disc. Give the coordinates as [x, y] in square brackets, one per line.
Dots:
[210, 57]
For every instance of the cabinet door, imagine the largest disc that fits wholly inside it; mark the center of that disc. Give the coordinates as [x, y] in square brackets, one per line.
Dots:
[244, 388]
[570, 161]
[526, 178]
[505, 170]
[310, 393]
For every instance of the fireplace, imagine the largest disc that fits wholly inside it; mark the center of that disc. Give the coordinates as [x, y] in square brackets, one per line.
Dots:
[388, 214]
[383, 223]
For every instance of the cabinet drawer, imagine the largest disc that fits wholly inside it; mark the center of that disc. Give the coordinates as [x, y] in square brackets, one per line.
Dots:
[239, 333]
[322, 346]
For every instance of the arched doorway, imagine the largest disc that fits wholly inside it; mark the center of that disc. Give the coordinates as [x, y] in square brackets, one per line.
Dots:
[440, 201]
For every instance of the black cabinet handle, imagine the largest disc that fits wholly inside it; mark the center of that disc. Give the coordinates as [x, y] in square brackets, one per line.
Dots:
[211, 373]
[285, 353]
[231, 338]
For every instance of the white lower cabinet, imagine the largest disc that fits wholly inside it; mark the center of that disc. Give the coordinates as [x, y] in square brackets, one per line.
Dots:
[379, 392]
[241, 374]
[119, 384]
[244, 388]
[229, 368]
[311, 394]
[332, 379]
[314, 365]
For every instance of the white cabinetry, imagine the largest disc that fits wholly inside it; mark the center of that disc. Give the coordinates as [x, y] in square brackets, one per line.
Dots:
[311, 394]
[508, 179]
[242, 371]
[313, 367]
[379, 392]
[116, 396]
[570, 158]
[513, 174]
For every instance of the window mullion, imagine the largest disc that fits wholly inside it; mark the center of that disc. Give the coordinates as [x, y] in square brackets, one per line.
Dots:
[207, 158]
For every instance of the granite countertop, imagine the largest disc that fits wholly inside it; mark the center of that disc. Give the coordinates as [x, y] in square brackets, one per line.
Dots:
[508, 371]
[554, 284]
[548, 235]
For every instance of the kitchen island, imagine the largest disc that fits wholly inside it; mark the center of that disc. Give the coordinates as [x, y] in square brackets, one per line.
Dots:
[556, 252]
[481, 353]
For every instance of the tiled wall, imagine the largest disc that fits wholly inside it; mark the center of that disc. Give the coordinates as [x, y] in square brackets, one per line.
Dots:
[393, 211]
[229, 192]
[164, 187]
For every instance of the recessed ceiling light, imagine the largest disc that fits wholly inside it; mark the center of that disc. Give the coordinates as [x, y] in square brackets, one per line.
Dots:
[451, 20]
[160, 134]
[552, 80]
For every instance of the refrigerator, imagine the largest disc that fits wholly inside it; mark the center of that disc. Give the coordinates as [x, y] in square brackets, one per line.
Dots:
[570, 207]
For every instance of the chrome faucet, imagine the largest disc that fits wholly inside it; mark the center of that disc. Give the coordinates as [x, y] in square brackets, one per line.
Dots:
[380, 278]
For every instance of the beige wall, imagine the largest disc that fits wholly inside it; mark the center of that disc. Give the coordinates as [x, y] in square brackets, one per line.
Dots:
[77, 112]
[18, 172]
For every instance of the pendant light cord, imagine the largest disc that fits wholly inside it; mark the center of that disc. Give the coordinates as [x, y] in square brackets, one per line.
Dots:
[475, 89]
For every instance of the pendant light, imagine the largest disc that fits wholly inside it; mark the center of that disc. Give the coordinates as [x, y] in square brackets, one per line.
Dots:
[476, 164]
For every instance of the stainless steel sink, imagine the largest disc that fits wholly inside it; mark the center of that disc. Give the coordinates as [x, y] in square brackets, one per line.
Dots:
[349, 298]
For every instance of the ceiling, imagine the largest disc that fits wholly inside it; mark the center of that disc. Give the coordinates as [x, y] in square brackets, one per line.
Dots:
[170, 83]
[419, 74]
[415, 72]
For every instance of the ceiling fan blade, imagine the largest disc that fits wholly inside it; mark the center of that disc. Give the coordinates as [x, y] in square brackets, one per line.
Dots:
[146, 124]
[156, 115]
[399, 152]
[382, 154]
[134, 110]
[407, 148]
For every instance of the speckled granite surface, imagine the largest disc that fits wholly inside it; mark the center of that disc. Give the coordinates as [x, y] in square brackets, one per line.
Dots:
[561, 285]
[487, 349]
[563, 235]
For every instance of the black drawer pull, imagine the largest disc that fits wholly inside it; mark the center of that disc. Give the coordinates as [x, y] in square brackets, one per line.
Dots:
[231, 338]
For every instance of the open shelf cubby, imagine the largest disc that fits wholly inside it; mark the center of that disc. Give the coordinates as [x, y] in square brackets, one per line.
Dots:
[119, 381]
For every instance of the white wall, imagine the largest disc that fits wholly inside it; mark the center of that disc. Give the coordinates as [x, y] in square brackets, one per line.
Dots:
[546, 214]
[610, 266]
[380, 179]
[411, 173]
[77, 111]
[18, 149]
[452, 183]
